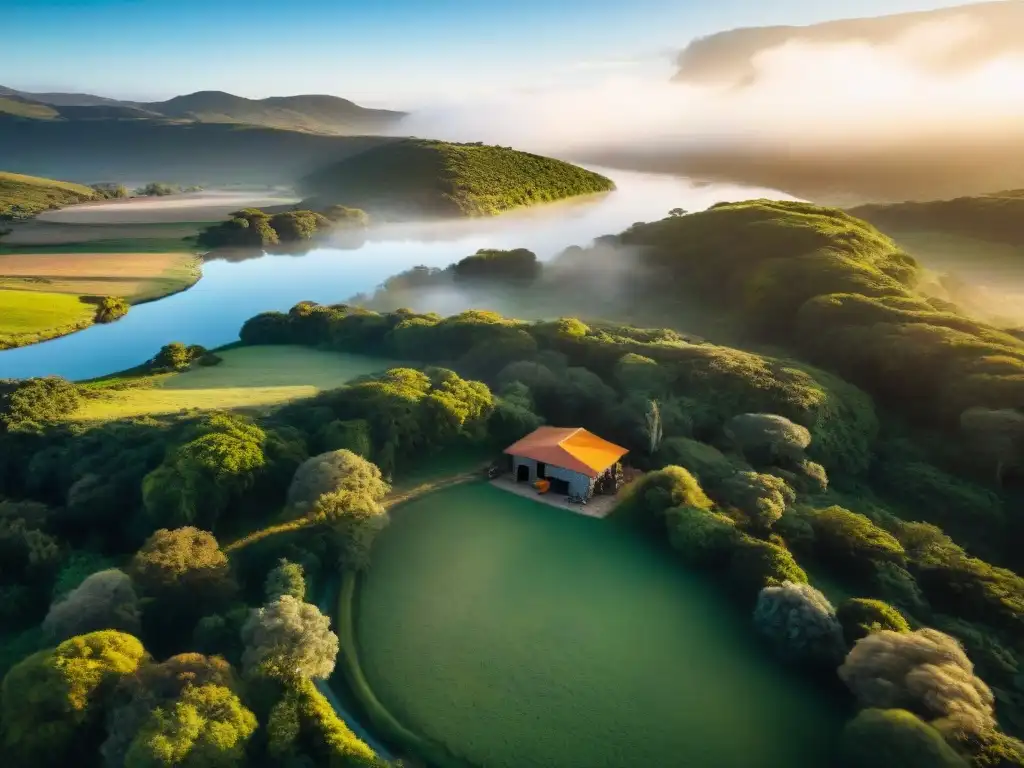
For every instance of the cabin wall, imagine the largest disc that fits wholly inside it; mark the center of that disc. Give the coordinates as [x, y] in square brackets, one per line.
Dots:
[579, 483]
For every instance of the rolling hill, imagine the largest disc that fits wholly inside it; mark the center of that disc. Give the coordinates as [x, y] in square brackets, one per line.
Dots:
[730, 57]
[25, 196]
[996, 217]
[413, 178]
[315, 114]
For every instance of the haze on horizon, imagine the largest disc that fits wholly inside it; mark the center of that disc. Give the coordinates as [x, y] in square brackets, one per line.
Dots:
[398, 54]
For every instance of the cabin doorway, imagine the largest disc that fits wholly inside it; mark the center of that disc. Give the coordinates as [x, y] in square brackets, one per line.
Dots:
[523, 473]
[542, 470]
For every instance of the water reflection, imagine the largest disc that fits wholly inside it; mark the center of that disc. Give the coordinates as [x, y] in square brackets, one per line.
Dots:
[237, 286]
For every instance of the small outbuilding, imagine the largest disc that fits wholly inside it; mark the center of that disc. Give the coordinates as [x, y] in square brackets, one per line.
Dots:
[571, 458]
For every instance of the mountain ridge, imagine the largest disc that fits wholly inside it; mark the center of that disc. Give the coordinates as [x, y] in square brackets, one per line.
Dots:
[312, 113]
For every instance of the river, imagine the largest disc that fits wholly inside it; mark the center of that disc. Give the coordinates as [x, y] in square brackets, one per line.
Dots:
[212, 312]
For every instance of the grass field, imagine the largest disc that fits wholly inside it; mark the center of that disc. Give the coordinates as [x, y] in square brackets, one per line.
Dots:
[133, 276]
[34, 234]
[249, 377]
[25, 196]
[27, 317]
[515, 634]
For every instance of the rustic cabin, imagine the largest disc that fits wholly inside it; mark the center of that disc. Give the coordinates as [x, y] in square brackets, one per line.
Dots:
[574, 461]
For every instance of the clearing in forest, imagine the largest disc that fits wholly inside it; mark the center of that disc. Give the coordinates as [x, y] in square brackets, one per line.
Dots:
[249, 377]
[511, 633]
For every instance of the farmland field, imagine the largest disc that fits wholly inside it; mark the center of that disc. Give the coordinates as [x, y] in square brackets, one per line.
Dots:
[35, 234]
[249, 377]
[516, 634]
[30, 316]
[133, 276]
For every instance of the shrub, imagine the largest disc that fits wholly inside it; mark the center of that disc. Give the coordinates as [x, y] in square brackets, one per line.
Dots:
[110, 308]
[926, 672]
[800, 624]
[172, 357]
[762, 498]
[289, 639]
[702, 537]
[895, 738]
[491, 264]
[852, 542]
[654, 493]
[861, 616]
[757, 564]
[343, 216]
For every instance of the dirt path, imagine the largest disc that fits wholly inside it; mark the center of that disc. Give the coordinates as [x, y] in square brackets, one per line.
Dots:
[391, 500]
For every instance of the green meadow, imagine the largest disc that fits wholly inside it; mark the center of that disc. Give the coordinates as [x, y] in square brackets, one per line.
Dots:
[515, 634]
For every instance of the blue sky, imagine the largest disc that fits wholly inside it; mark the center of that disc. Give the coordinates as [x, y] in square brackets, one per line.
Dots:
[392, 53]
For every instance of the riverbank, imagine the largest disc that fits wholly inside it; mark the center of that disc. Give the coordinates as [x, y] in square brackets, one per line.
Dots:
[47, 295]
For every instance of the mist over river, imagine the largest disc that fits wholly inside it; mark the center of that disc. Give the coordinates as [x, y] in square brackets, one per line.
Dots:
[212, 312]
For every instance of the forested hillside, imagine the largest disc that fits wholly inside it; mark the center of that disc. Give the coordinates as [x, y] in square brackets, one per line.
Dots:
[434, 178]
[996, 217]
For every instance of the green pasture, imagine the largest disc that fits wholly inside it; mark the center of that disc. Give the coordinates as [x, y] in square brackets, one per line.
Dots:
[511, 633]
[30, 316]
[250, 377]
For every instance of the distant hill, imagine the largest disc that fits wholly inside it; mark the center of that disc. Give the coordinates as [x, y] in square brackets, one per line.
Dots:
[416, 178]
[25, 196]
[996, 217]
[139, 151]
[320, 114]
[728, 58]
[315, 114]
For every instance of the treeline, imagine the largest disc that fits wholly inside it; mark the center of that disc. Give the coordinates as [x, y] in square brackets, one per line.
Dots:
[108, 538]
[254, 228]
[838, 292]
[998, 217]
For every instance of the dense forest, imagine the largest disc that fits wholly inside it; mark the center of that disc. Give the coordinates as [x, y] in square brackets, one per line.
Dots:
[877, 457]
[415, 177]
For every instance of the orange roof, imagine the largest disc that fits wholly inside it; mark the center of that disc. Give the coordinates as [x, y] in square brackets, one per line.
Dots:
[570, 448]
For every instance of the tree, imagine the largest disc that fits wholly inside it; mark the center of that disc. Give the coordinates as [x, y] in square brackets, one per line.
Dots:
[207, 727]
[756, 564]
[110, 308]
[174, 357]
[654, 430]
[26, 403]
[702, 537]
[895, 738]
[289, 639]
[353, 435]
[352, 481]
[491, 264]
[926, 672]
[852, 542]
[343, 216]
[104, 600]
[763, 498]
[999, 434]
[51, 702]
[286, 579]
[861, 616]
[800, 623]
[767, 437]
[294, 226]
[651, 496]
[183, 569]
[158, 686]
[676, 212]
